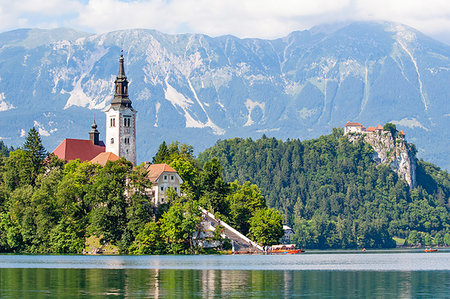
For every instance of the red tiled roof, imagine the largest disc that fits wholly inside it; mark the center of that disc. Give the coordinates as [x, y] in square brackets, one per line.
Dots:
[71, 149]
[353, 124]
[401, 133]
[379, 127]
[155, 171]
[370, 129]
[104, 157]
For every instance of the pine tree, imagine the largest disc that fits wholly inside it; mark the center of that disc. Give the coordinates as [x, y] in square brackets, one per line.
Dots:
[162, 154]
[33, 145]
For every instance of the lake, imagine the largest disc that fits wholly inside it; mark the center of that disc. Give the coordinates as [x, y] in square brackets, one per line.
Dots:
[337, 274]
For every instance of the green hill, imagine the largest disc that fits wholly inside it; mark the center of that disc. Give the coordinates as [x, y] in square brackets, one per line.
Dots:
[333, 194]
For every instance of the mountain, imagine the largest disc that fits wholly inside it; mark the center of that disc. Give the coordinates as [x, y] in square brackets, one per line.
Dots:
[196, 89]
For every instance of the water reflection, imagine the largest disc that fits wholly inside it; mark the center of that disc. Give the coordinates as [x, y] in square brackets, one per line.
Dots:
[154, 283]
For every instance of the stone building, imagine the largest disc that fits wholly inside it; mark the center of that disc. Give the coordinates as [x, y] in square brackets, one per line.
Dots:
[163, 178]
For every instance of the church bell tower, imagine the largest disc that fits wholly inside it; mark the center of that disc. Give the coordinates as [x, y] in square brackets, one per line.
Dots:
[121, 120]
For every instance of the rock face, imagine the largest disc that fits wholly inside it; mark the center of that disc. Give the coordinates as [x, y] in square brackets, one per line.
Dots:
[395, 152]
[196, 89]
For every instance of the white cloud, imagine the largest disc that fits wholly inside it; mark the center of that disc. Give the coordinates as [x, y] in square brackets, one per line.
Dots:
[248, 18]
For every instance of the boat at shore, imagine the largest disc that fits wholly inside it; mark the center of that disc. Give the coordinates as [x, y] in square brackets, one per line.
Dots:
[431, 249]
[284, 249]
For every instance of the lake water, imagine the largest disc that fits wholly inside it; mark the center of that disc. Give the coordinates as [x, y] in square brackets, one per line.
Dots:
[340, 274]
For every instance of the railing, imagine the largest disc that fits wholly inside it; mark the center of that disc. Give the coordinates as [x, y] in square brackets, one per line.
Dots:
[224, 224]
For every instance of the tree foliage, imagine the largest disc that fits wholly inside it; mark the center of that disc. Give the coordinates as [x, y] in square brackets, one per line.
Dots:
[333, 194]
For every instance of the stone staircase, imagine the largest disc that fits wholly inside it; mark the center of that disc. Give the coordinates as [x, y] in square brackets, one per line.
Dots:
[241, 244]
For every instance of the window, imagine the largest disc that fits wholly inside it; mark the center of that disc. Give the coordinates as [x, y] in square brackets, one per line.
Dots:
[162, 188]
[172, 177]
[112, 140]
[165, 177]
[127, 121]
[176, 189]
[112, 122]
[126, 140]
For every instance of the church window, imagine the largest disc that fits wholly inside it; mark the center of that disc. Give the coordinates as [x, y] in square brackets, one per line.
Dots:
[112, 122]
[112, 140]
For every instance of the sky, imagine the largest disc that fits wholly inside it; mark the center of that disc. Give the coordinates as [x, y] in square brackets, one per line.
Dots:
[266, 19]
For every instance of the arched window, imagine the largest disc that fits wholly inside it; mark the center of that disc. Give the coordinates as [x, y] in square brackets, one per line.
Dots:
[112, 140]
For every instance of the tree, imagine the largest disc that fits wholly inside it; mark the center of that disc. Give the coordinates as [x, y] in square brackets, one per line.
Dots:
[4, 150]
[266, 227]
[33, 145]
[390, 127]
[244, 201]
[214, 189]
[162, 154]
[178, 226]
[108, 217]
[19, 169]
[148, 241]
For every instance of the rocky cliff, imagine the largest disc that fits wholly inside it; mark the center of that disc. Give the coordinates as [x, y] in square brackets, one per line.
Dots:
[395, 152]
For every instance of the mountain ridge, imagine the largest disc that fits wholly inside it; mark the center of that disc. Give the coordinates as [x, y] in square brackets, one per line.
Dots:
[196, 89]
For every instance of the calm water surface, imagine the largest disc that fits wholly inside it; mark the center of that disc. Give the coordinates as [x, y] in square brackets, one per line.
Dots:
[378, 274]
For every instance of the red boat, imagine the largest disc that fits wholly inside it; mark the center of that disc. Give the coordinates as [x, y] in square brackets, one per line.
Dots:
[284, 249]
[431, 249]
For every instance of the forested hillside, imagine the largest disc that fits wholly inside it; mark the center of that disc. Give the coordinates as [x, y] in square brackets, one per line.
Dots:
[333, 194]
[47, 206]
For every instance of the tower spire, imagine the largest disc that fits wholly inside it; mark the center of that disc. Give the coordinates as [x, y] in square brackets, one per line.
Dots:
[121, 86]
[121, 68]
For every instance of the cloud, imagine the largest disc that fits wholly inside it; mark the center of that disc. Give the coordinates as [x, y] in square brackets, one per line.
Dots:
[243, 18]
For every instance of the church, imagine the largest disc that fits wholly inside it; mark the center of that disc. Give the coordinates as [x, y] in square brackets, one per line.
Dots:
[120, 130]
[120, 141]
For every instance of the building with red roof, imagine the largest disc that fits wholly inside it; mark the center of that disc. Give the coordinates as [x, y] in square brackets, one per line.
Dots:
[353, 127]
[163, 177]
[104, 157]
[85, 150]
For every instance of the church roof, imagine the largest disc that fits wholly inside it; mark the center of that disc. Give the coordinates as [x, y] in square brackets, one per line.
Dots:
[104, 157]
[155, 171]
[379, 127]
[370, 129]
[72, 149]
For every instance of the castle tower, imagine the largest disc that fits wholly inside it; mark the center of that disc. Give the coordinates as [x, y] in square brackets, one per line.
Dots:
[121, 120]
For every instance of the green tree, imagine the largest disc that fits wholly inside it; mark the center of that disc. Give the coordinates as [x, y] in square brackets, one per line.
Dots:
[162, 154]
[148, 241]
[178, 226]
[244, 200]
[33, 145]
[266, 227]
[390, 127]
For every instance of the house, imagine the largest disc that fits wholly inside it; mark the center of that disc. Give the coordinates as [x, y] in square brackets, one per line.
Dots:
[163, 178]
[370, 129]
[288, 232]
[353, 127]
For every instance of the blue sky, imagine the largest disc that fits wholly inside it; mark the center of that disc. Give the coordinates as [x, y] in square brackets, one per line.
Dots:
[243, 18]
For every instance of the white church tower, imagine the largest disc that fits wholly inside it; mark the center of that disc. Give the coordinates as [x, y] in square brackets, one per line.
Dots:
[121, 120]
